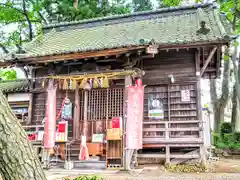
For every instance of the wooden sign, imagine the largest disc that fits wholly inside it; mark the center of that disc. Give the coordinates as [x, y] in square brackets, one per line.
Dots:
[62, 132]
[134, 117]
[185, 96]
[152, 49]
[97, 138]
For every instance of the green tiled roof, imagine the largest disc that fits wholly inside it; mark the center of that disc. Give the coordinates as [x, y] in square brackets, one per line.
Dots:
[13, 85]
[169, 26]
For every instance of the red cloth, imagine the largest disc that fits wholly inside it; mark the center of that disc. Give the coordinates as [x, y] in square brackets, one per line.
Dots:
[83, 153]
[61, 128]
[116, 122]
[31, 136]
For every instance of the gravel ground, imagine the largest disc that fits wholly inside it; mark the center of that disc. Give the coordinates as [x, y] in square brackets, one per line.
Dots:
[176, 176]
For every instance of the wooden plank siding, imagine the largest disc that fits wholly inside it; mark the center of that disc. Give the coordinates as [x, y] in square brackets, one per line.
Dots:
[181, 64]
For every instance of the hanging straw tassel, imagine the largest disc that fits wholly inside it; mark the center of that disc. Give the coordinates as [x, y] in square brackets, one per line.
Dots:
[60, 84]
[43, 83]
[105, 83]
[82, 84]
[65, 84]
[74, 84]
[95, 83]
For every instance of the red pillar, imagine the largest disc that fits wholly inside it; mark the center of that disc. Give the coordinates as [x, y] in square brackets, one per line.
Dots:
[50, 124]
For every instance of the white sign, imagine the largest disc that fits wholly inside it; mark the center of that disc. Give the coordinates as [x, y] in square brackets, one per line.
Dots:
[155, 108]
[185, 95]
[152, 49]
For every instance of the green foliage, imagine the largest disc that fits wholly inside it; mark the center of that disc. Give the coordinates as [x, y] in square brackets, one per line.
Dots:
[226, 139]
[237, 136]
[186, 168]
[231, 8]
[88, 178]
[226, 128]
[142, 5]
[24, 18]
[169, 3]
[63, 10]
[8, 74]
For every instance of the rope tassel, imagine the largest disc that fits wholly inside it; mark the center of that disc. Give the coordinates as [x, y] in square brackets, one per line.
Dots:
[105, 83]
[95, 83]
[65, 84]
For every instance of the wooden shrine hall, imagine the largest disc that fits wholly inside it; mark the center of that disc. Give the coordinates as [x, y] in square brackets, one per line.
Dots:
[100, 65]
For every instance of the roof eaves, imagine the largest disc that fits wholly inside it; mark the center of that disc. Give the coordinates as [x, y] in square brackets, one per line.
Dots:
[26, 56]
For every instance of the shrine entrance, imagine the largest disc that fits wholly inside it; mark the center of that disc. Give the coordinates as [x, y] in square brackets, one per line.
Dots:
[97, 108]
[101, 106]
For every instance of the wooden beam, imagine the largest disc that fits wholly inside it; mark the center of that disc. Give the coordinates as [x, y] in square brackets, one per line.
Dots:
[171, 129]
[218, 60]
[172, 122]
[172, 140]
[80, 55]
[161, 145]
[208, 60]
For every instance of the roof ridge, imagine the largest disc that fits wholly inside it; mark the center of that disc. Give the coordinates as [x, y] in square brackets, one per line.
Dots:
[112, 17]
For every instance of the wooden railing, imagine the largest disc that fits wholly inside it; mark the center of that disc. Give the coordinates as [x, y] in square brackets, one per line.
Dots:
[166, 138]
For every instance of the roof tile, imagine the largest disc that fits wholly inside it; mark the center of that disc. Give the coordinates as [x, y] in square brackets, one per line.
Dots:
[176, 26]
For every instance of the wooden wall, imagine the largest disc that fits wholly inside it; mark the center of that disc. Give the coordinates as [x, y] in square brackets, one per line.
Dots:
[181, 64]
[104, 104]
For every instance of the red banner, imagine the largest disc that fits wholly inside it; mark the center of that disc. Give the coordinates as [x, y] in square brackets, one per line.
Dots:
[50, 124]
[134, 117]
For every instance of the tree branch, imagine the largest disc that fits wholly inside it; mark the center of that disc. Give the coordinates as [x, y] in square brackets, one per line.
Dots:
[28, 20]
[5, 50]
[6, 5]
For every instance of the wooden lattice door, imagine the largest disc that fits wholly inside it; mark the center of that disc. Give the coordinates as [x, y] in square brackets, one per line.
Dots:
[102, 105]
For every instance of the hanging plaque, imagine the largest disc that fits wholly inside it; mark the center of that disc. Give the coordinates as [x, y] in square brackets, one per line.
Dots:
[155, 108]
[185, 95]
[152, 49]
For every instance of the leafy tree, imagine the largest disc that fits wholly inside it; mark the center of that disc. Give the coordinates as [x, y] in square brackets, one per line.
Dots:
[26, 15]
[72, 10]
[231, 8]
[8, 74]
[169, 3]
[142, 5]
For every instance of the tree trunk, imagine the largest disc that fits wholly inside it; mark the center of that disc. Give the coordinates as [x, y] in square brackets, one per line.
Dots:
[18, 161]
[75, 4]
[235, 121]
[220, 104]
[218, 109]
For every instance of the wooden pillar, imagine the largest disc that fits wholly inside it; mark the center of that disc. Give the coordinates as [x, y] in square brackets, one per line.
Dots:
[76, 118]
[126, 153]
[30, 104]
[85, 114]
[167, 155]
[199, 106]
